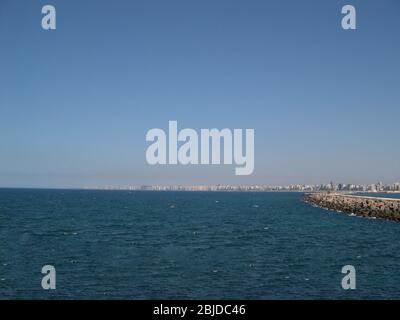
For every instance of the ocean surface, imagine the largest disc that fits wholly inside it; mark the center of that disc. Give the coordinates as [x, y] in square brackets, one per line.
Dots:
[190, 245]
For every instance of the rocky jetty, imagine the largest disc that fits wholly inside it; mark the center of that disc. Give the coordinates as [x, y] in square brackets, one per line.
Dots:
[384, 208]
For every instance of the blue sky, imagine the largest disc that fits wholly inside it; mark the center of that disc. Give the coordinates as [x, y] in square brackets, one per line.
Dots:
[76, 102]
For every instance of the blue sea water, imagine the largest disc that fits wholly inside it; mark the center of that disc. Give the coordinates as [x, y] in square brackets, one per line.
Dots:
[190, 245]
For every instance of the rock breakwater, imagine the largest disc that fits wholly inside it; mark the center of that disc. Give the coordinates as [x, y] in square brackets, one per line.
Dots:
[384, 208]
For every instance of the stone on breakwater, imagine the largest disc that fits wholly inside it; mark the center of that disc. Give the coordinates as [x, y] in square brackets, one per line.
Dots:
[383, 208]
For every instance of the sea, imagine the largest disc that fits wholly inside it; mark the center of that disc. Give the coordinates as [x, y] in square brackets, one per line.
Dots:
[190, 245]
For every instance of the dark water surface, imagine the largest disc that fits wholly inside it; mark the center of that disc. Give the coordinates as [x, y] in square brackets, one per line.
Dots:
[161, 245]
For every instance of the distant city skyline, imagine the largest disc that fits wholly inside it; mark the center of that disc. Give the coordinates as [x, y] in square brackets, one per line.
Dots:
[76, 102]
[373, 187]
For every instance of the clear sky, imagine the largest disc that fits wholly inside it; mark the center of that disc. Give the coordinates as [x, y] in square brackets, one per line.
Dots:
[76, 103]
